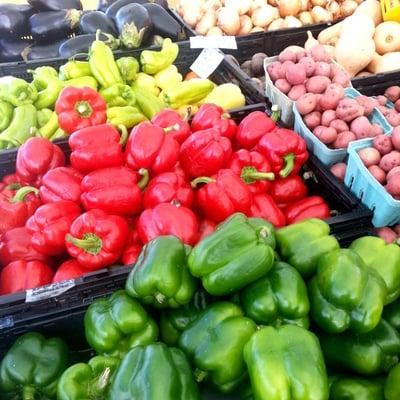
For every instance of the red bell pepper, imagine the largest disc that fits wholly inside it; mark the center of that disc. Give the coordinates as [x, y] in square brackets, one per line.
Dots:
[206, 228]
[166, 188]
[253, 168]
[50, 224]
[310, 207]
[97, 147]
[150, 148]
[204, 153]
[213, 116]
[264, 206]
[79, 108]
[69, 269]
[21, 275]
[132, 249]
[35, 157]
[252, 128]
[285, 150]
[168, 219]
[113, 190]
[223, 195]
[173, 124]
[11, 181]
[97, 239]
[16, 206]
[288, 190]
[62, 183]
[16, 244]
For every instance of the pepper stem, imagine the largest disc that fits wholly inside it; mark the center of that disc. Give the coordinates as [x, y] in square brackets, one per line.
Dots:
[276, 113]
[171, 128]
[200, 375]
[145, 178]
[124, 134]
[90, 242]
[251, 175]
[225, 115]
[160, 298]
[84, 109]
[22, 193]
[201, 179]
[28, 393]
[289, 165]
[13, 186]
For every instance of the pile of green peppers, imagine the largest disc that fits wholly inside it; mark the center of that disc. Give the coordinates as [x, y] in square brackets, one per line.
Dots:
[262, 313]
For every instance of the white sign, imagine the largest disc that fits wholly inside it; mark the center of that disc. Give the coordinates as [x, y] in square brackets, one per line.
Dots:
[213, 42]
[207, 62]
[48, 291]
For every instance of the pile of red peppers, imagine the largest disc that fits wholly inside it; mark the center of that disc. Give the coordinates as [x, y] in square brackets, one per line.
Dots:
[60, 219]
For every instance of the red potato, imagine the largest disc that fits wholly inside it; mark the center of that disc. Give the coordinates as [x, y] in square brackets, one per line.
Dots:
[382, 100]
[319, 53]
[339, 125]
[397, 105]
[300, 55]
[392, 93]
[275, 71]
[322, 69]
[393, 117]
[312, 120]
[377, 130]
[296, 92]
[378, 173]
[396, 138]
[287, 55]
[390, 161]
[348, 110]
[393, 186]
[339, 171]
[296, 74]
[329, 100]
[285, 66]
[283, 85]
[384, 110]
[335, 69]
[362, 128]
[325, 134]
[343, 140]
[393, 172]
[387, 234]
[327, 117]
[396, 228]
[369, 156]
[367, 103]
[317, 84]
[342, 78]
[306, 103]
[383, 144]
[309, 65]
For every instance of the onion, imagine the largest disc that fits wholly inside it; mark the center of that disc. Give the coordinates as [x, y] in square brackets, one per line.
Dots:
[305, 6]
[277, 24]
[320, 15]
[321, 3]
[295, 49]
[273, 3]
[215, 31]
[229, 21]
[245, 25]
[192, 15]
[293, 22]
[241, 6]
[348, 7]
[211, 5]
[207, 21]
[306, 18]
[257, 29]
[256, 4]
[264, 15]
[289, 7]
[334, 8]
[311, 41]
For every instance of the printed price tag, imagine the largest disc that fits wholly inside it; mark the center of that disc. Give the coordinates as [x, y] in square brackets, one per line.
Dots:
[213, 42]
[48, 291]
[207, 62]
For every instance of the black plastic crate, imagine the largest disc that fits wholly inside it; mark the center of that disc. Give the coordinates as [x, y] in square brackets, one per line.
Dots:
[376, 84]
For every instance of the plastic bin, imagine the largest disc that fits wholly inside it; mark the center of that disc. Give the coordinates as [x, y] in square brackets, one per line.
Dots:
[324, 153]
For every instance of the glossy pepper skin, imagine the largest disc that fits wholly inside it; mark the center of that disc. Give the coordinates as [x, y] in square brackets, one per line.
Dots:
[21, 275]
[160, 276]
[89, 381]
[132, 249]
[339, 303]
[97, 239]
[391, 313]
[32, 367]
[355, 388]
[118, 95]
[164, 374]
[285, 150]
[62, 183]
[168, 219]
[206, 228]
[155, 61]
[214, 343]
[173, 124]
[392, 388]
[17, 91]
[286, 363]
[214, 116]
[149, 147]
[69, 269]
[309, 207]
[35, 157]
[204, 153]
[222, 195]
[367, 354]
[49, 225]
[127, 116]
[96, 147]
[288, 190]
[238, 253]
[79, 108]
[116, 324]
[114, 190]
[302, 244]
[278, 298]
[264, 206]
[384, 259]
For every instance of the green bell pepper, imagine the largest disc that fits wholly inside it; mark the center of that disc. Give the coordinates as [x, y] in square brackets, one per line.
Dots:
[238, 253]
[214, 342]
[116, 324]
[43, 117]
[155, 61]
[161, 276]
[346, 294]
[118, 95]
[149, 104]
[154, 372]
[50, 128]
[17, 91]
[81, 82]
[6, 115]
[129, 68]
[384, 258]
[392, 384]
[392, 314]
[286, 363]
[74, 69]
[302, 244]
[369, 353]
[278, 298]
[128, 116]
[355, 388]
[31, 368]
[89, 381]
[174, 321]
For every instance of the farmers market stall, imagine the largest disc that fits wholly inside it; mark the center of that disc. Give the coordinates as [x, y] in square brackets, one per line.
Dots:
[199, 200]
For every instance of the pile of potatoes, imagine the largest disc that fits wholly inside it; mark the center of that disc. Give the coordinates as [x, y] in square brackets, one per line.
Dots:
[392, 115]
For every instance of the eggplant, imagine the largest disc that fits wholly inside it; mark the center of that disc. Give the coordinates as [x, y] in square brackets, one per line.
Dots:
[11, 49]
[163, 23]
[134, 25]
[94, 20]
[162, 3]
[82, 43]
[102, 5]
[55, 5]
[14, 20]
[39, 51]
[48, 26]
[116, 6]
